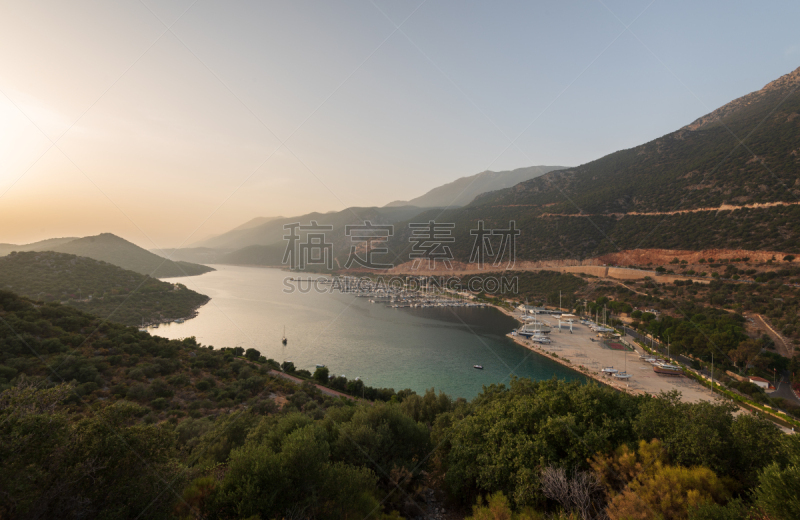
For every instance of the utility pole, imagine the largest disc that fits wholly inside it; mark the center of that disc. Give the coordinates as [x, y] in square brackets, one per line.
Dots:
[712, 371]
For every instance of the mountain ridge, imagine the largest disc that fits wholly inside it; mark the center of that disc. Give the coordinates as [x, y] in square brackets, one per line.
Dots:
[646, 196]
[463, 190]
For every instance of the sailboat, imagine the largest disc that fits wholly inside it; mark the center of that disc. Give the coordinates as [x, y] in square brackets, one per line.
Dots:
[624, 374]
[284, 340]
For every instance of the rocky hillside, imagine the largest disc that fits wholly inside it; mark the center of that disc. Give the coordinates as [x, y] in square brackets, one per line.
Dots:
[711, 184]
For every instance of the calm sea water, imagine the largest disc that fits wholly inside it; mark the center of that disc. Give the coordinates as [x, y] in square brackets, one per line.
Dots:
[396, 348]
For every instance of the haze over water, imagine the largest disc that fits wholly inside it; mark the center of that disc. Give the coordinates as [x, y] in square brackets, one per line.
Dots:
[386, 347]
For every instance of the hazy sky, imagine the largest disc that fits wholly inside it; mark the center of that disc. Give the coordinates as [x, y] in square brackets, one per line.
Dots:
[176, 120]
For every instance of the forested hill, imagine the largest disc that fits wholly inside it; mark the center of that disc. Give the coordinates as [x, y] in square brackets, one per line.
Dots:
[98, 420]
[98, 287]
[662, 194]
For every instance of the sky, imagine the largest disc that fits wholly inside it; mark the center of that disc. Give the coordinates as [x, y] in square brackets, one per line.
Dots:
[168, 122]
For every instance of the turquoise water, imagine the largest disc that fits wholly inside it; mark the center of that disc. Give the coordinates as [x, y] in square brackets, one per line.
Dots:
[386, 347]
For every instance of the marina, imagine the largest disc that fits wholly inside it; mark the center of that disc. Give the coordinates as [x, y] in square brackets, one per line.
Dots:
[597, 351]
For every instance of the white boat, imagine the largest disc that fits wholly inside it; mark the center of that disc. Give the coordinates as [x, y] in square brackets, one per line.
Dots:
[479, 367]
[622, 375]
[155, 326]
[320, 366]
[179, 320]
[609, 370]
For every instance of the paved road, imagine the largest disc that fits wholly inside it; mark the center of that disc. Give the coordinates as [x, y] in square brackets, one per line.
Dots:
[780, 343]
[785, 390]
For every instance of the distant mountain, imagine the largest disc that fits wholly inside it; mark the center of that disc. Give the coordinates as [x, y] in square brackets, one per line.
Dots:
[197, 255]
[269, 256]
[272, 232]
[36, 246]
[252, 223]
[680, 191]
[117, 251]
[97, 287]
[256, 222]
[462, 191]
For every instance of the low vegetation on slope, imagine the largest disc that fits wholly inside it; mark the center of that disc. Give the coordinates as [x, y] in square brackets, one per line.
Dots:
[556, 237]
[101, 420]
[97, 287]
[537, 287]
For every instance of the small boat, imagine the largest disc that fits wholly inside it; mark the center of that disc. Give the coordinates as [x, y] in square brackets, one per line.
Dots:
[622, 375]
[609, 370]
[155, 326]
[179, 320]
[320, 366]
[479, 367]
[284, 340]
[667, 369]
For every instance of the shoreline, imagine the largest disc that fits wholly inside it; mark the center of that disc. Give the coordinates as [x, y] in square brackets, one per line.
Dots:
[580, 369]
[567, 363]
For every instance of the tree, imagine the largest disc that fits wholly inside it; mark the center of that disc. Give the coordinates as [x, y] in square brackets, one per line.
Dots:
[745, 353]
[733, 510]
[293, 477]
[511, 433]
[778, 491]
[497, 507]
[288, 367]
[97, 466]
[582, 493]
[668, 492]
[252, 354]
[321, 375]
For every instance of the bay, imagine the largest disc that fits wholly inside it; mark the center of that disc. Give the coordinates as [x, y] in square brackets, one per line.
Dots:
[416, 348]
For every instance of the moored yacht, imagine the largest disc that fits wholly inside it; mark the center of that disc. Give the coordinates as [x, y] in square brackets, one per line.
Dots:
[666, 368]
